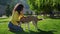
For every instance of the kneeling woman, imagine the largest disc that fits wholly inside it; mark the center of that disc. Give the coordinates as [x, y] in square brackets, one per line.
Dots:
[17, 14]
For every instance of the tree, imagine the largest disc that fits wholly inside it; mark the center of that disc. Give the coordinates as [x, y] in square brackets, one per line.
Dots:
[34, 4]
[8, 11]
[41, 5]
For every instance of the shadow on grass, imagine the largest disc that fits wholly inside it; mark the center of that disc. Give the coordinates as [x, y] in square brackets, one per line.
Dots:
[32, 32]
[18, 32]
[42, 32]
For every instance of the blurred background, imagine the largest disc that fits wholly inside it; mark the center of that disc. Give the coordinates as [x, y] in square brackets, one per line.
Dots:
[50, 8]
[6, 6]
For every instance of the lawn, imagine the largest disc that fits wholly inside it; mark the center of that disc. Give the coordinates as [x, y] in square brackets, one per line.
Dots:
[46, 26]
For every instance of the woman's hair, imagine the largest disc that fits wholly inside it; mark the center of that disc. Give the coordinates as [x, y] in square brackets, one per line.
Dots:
[18, 8]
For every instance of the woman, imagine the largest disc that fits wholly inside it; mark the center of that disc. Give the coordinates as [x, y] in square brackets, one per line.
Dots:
[17, 14]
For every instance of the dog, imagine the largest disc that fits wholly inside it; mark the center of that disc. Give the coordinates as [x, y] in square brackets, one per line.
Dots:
[29, 19]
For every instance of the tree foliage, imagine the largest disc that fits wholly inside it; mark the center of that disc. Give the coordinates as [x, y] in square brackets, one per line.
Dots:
[34, 4]
[44, 5]
[8, 11]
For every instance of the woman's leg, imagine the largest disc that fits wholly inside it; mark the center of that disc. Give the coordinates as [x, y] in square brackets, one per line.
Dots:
[10, 26]
[18, 28]
[15, 28]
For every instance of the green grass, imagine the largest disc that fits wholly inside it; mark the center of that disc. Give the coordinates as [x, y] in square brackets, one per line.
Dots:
[44, 25]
